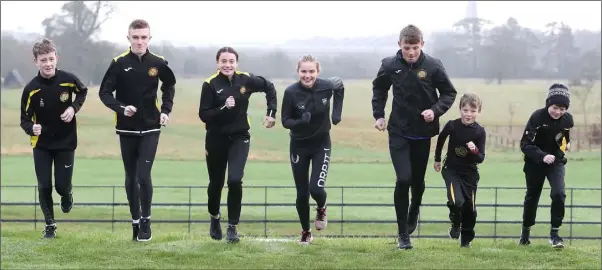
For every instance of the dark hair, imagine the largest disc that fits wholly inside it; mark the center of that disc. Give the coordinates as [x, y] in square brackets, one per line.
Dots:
[411, 34]
[43, 46]
[225, 50]
[139, 24]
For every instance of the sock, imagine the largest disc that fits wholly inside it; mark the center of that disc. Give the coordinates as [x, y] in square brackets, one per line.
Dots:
[135, 221]
[146, 217]
[216, 216]
[51, 225]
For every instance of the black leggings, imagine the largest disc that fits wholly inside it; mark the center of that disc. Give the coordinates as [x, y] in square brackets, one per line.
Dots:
[63, 172]
[223, 152]
[410, 158]
[535, 178]
[303, 153]
[138, 155]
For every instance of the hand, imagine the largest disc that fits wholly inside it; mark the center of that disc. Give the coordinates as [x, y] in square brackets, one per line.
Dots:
[472, 147]
[380, 124]
[129, 110]
[305, 117]
[549, 159]
[37, 129]
[164, 119]
[437, 166]
[67, 116]
[428, 115]
[230, 102]
[269, 121]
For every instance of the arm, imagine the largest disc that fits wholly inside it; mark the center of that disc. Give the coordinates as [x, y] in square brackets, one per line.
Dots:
[337, 100]
[168, 88]
[380, 92]
[286, 113]
[527, 142]
[441, 140]
[480, 147]
[81, 92]
[260, 84]
[207, 109]
[447, 91]
[107, 87]
[27, 112]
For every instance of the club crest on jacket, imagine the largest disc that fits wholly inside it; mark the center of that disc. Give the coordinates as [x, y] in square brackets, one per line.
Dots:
[243, 90]
[64, 96]
[152, 71]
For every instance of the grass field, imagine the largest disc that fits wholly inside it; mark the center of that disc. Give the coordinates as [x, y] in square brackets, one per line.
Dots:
[360, 158]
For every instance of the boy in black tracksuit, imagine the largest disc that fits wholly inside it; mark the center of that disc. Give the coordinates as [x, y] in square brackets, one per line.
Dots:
[306, 113]
[48, 117]
[465, 150]
[414, 120]
[223, 108]
[134, 77]
[544, 143]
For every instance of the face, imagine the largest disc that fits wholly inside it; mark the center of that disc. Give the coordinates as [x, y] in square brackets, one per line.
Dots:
[469, 114]
[47, 64]
[556, 111]
[226, 63]
[308, 72]
[139, 39]
[410, 52]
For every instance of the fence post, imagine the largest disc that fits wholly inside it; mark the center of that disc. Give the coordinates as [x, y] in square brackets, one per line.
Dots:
[265, 212]
[113, 212]
[189, 207]
[495, 217]
[342, 207]
[571, 226]
[35, 208]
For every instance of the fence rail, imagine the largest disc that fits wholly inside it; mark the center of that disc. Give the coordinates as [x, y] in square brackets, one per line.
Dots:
[570, 206]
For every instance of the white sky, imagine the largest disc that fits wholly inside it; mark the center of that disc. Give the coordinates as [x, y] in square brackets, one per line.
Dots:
[232, 23]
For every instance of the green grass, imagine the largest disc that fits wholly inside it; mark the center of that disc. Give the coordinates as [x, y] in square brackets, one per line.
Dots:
[360, 158]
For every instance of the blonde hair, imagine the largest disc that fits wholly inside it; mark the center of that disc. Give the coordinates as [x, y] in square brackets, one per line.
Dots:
[308, 58]
[43, 46]
[471, 99]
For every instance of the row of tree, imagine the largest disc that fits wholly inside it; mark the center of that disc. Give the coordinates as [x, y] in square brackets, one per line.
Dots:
[473, 48]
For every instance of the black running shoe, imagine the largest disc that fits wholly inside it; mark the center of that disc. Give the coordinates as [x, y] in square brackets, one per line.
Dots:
[135, 231]
[145, 230]
[215, 229]
[454, 232]
[413, 219]
[555, 239]
[67, 203]
[306, 238]
[231, 234]
[524, 236]
[404, 241]
[49, 231]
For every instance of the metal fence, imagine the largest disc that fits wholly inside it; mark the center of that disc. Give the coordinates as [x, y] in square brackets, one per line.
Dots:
[341, 221]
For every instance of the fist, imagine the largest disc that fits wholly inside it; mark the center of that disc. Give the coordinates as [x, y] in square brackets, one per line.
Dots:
[336, 120]
[305, 117]
[269, 121]
[549, 159]
[380, 124]
[37, 129]
[230, 102]
[472, 147]
[129, 110]
[428, 115]
[437, 166]
[67, 116]
[164, 119]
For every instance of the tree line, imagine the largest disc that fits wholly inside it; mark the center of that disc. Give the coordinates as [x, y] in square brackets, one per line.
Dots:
[472, 48]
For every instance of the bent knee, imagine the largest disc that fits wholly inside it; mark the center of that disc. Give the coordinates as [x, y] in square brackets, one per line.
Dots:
[234, 182]
[558, 196]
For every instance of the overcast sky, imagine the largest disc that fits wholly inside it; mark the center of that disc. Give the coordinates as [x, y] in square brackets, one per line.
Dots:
[227, 22]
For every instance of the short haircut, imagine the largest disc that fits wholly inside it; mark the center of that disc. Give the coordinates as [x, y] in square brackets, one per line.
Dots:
[226, 50]
[472, 100]
[411, 34]
[308, 58]
[139, 24]
[43, 46]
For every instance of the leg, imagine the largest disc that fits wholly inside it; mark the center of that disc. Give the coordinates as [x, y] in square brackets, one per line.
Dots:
[399, 150]
[419, 158]
[216, 157]
[455, 196]
[469, 216]
[300, 168]
[129, 156]
[534, 180]
[63, 173]
[42, 161]
[555, 176]
[320, 165]
[237, 160]
[147, 150]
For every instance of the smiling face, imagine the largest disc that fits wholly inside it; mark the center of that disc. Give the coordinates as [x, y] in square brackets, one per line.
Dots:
[556, 111]
[308, 69]
[470, 108]
[226, 63]
[45, 58]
